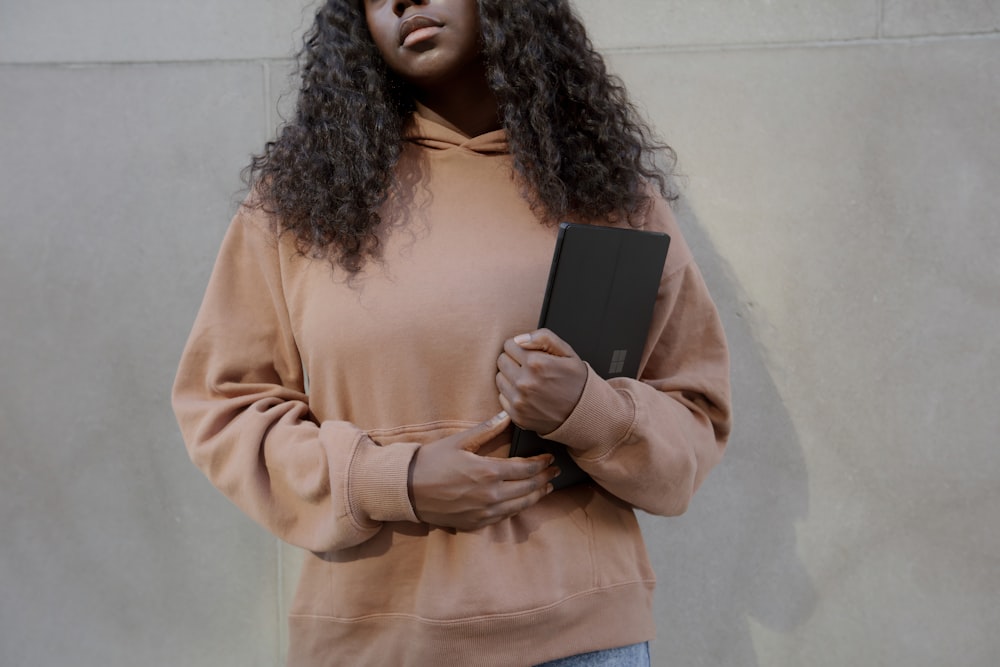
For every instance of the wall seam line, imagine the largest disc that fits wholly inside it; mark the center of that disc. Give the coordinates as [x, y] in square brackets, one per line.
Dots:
[777, 46]
[86, 64]
[614, 50]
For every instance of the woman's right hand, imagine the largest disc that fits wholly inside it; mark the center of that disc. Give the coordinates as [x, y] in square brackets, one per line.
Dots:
[452, 486]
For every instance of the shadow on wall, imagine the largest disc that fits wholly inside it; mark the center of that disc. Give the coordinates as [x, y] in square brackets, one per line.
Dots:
[732, 557]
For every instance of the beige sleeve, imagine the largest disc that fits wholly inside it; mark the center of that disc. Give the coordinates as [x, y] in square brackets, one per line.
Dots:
[241, 405]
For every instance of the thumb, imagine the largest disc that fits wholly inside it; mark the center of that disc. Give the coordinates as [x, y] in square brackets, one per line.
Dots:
[546, 341]
[480, 434]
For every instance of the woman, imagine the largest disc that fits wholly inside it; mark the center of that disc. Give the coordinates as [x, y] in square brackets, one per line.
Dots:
[392, 258]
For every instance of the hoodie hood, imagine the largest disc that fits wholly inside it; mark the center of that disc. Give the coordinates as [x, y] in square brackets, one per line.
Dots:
[429, 134]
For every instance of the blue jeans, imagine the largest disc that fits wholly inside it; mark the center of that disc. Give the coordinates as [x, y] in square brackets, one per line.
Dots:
[636, 655]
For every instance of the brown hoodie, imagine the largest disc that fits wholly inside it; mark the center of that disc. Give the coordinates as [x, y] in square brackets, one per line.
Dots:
[405, 354]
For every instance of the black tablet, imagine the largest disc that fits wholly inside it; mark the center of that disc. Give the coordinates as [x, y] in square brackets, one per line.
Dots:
[600, 296]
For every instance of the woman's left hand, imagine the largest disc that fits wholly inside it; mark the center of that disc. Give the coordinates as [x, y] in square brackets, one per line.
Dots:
[540, 380]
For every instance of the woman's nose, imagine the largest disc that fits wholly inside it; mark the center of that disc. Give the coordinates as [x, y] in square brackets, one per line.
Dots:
[400, 5]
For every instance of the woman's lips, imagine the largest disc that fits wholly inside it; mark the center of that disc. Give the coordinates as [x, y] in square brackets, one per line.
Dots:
[417, 29]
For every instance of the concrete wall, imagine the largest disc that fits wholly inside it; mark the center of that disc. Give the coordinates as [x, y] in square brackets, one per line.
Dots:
[841, 165]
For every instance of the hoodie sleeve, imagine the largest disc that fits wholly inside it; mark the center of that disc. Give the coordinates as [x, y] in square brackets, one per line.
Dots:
[241, 404]
[652, 441]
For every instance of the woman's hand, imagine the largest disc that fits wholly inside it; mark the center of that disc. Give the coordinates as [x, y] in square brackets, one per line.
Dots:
[454, 487]
[540, 380]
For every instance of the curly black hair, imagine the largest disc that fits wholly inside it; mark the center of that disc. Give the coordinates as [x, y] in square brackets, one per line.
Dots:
[577, 142]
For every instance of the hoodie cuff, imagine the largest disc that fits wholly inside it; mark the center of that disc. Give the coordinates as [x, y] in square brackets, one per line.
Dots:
[601, 419]
[377, 482]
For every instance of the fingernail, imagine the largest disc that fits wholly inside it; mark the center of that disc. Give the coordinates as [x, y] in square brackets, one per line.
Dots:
[522, 339]
[499, 417]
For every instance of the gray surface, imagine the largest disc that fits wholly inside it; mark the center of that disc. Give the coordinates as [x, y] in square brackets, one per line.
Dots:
[854, 195]
[941, 17]
[841, 196]
[115, 553]
[654, 23]
[149, 31]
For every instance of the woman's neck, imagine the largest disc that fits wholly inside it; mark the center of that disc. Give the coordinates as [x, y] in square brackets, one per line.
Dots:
[466, 106]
